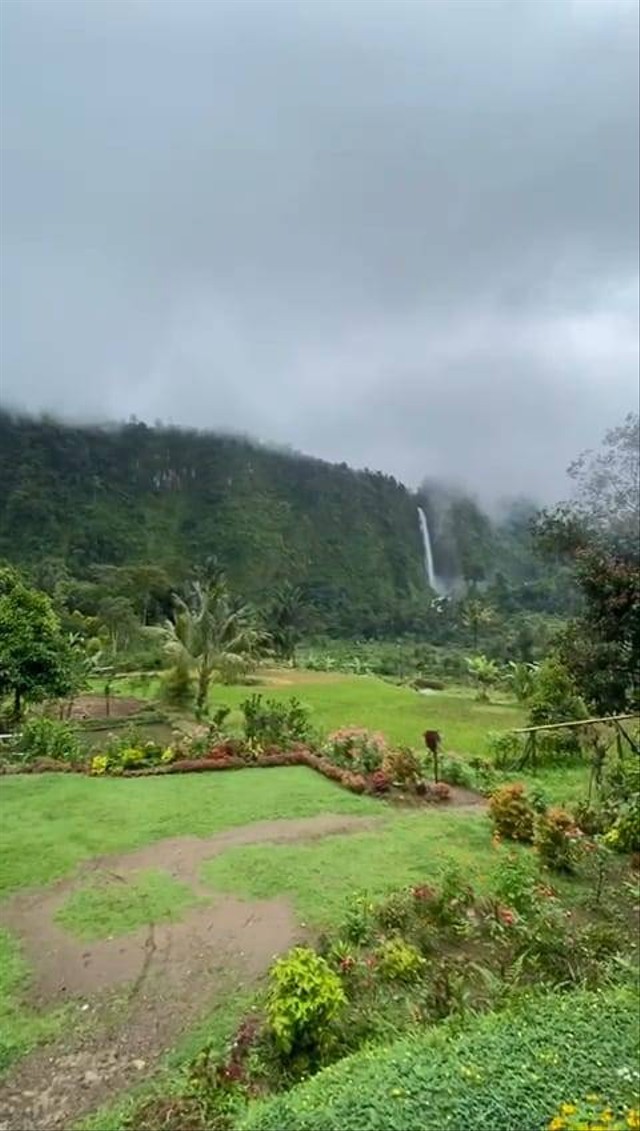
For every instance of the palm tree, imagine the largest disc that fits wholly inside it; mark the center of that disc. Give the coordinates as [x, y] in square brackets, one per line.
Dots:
[284, 620]
[210, 632]
[522, 679]
[485, 673]
[475, 614]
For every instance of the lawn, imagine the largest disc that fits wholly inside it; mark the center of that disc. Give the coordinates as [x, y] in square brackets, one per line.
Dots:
[51, 822]
[320, 877]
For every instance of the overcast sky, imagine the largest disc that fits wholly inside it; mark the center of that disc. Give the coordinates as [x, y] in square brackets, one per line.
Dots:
[400, 234]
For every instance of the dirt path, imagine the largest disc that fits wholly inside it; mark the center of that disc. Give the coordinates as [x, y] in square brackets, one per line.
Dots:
[142, 989]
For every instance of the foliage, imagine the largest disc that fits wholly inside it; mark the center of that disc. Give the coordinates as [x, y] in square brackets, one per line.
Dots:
[285, 617]
[273, 722]
[554, 698]
[399, 961]
[35, 657]
[506, 749]
[357, 749]
[177, 688]
[522, 679]
[556, 840]
[507, 1071]
[512, 813]
[484, 673]
[42, 737]
[304, 998]
[212, 633]
[402, 766]
[457, 772]
[515, 881]
[594, 1113]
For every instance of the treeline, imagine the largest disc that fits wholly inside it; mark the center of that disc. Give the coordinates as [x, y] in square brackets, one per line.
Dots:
[130, 510]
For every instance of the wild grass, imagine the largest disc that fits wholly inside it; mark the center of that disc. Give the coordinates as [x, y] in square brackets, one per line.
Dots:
[109, 906]
[20, 1028]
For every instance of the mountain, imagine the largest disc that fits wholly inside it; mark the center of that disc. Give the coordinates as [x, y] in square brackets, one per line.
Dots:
[172, 497]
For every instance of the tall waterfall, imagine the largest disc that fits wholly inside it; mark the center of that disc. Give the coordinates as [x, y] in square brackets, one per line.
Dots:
[432, 578]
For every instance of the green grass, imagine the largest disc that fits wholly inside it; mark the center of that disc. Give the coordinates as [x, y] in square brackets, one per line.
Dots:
[109, 906]
[320, 876]
[503, 1072]
[51, 822]
[399, 712]
[20, 1028]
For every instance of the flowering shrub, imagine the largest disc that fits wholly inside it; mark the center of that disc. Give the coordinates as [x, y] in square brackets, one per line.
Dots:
[380, 782]
[305, 996]
[514, 881]
[357, 749]
[557, 840]
[595, 1114]
[399, 961]
[512, 813]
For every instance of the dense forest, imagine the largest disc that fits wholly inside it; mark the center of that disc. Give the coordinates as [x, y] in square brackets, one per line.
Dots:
[77, 498]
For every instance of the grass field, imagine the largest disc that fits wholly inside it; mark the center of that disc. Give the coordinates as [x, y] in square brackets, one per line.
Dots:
[401, 713]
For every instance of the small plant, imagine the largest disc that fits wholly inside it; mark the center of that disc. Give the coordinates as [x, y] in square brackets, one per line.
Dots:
[594, 1113]
[557, 840]
[305, 997]
[440, 792]
[512, 813]
[380, 782]
[177, 688]
[399, 961]
[395, 911]
[456, 772]
[357, 749]
[358, 921]
[452, 899]
[515, 881]
[42, 737]
[402, 766]
[99, 764]
[275, 722]
[506, 749]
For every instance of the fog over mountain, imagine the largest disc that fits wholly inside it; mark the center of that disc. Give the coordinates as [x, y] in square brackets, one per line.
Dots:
[399, 234]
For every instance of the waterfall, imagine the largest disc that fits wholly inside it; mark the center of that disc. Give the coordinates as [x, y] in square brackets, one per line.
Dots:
[434, 581]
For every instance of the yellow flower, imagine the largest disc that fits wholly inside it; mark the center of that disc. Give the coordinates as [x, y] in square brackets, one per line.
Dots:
[592, 1097]
[633, 1119]
[568, 1109]
[557, 1124]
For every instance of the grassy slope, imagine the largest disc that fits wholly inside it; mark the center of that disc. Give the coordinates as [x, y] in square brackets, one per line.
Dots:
[72, 818]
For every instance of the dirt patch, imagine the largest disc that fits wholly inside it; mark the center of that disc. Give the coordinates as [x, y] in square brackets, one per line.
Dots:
[145, 988]
[94, 707]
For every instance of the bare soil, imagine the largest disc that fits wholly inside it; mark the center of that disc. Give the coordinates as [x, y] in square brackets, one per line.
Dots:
[94, 707]
[140, 991]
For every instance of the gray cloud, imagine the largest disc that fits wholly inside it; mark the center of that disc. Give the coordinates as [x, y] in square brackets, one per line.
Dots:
[404, 234]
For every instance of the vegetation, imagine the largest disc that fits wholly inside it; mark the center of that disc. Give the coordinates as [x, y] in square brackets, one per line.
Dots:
[35, 658]
[105, 907]
[503, 1071]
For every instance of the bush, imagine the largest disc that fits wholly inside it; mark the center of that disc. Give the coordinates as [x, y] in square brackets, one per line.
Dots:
[42, 737]
[276, 722]
[177, 688]
[512, 813]
[515, 880]
[357, 749]
[557, 840]
[457, 772]
[506, 749]
[507, 1071]
[305, 996]
[380, 782]
[402, 766]
[399, 961]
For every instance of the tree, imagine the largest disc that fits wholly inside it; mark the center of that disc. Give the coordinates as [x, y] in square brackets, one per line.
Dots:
[210, 632]
[598, 532]
[35, 657]
[284, 620]
[484, 672]
[119, 619]
[476, 615]
[522, 679]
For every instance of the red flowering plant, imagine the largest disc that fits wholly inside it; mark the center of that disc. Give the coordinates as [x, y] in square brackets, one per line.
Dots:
[356, 749]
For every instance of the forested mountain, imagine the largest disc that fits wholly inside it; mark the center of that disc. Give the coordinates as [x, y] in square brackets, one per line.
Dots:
[172, 497]
[83, 497]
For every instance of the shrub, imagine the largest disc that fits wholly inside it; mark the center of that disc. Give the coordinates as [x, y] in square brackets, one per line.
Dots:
[515, 881]
[177, 688]
[512, 813]
[402, 766]
[506, 749]
[505, 1071]
[457, 772]
[42, 737]
[275, 722]
[305, 996]
[399, 961]
[358, 924]
[557, 840]
[99, 764]
[624, 835]
[357, 749]
[380, 782]
[395, 911]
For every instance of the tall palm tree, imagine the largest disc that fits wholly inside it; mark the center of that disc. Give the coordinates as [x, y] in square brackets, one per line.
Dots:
[285, 618]
[210, 632]
[475, 615]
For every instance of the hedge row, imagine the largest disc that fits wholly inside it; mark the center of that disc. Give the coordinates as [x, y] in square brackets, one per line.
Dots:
[505, 1072]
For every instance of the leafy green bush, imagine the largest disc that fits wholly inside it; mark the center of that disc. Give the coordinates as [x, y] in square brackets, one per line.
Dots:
[42, 737]
[515, 880]
[457, 772]
[177, 688]
[557, 840]
[512, 813]
[402, 766]
[399, 961]
[505, 1072]
[275, 722]
[506, 749]
[305, 996]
